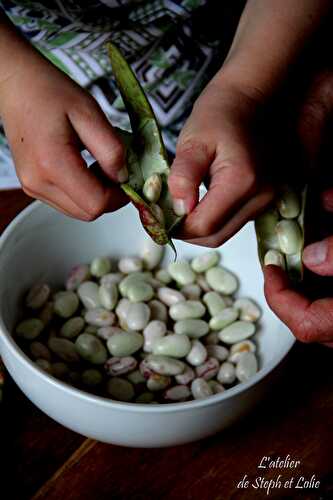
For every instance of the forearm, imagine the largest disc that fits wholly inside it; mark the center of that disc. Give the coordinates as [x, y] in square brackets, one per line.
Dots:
[15, 51]
[270, 35]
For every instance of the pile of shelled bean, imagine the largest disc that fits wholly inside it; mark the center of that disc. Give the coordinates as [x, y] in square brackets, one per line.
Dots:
[143, 333]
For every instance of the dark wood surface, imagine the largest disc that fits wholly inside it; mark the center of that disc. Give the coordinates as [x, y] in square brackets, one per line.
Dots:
[44, 460]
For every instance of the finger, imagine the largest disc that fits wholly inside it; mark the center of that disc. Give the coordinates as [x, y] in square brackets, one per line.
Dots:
[99, 137]
[60, 201]
[327, 200]
[72, 177]
[315, 113]
[318, 257]
[249, 211]
[310, 322]
[190, 166]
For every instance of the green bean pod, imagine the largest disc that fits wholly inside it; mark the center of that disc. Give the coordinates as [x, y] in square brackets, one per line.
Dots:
[147, 160]
[280, 232]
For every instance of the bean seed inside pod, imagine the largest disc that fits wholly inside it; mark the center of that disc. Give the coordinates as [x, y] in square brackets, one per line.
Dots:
[288, 204]
[290, 236]
[275, 258]
[152, 188]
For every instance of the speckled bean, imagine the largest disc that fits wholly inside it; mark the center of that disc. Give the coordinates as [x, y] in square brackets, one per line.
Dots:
[208, 369]
[120, 366]
[77, 275]
[37, 296]
[186, 377]
[164, 365]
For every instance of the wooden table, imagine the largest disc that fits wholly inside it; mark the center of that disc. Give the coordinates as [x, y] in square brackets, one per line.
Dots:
[43, 460]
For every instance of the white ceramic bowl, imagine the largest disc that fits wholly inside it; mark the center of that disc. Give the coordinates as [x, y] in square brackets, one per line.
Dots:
[42, 245]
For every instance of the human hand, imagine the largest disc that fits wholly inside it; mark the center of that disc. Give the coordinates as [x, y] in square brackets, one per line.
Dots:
[215, 146]
[310, 321]
[48, 118]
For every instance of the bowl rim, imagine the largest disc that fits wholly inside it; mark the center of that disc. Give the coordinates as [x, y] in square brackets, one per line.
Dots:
[215, 399]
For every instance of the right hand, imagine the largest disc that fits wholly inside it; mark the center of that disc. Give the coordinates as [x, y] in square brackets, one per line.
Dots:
[48, 118]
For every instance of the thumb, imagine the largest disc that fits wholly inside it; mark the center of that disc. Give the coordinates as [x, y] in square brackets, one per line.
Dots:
[101, 140]
[189, 168]
[318, 257]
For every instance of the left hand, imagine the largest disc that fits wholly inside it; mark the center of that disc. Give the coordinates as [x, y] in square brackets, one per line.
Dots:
[310, 321]
[215, 146]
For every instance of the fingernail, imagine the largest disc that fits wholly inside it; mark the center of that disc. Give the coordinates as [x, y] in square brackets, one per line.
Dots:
[123, 174]
[179, 207]
[315, 254]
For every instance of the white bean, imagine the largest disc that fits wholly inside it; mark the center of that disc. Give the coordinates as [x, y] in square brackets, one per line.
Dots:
[197, 354]
[120, 389]
[205, 261]
[219, 352]
[91, 349]
[89, 294]
[189, 309]
[111, 279]
[169, 296]
[181, 272]
[128, 265]
[99, 317]
[227, 373]
[124, 344]
[191, 292]
[100, 266]
[154, 330]
[175, 346]
[140, 291]
[240, 330]
[151, 254]
[108, 295]
[157, 382]
[214, 302]
[221, 280]
[40, 351]
[138, 316]
[193, 328]
[216, 387]
[29, 329]
[163, 276]
[123, 308]
[63, 348]
[200, 389]
[238, 349]
[72, 327]
[246, 367]
[105, 332]
[248, 310]
[223, 318]
[66, 303]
